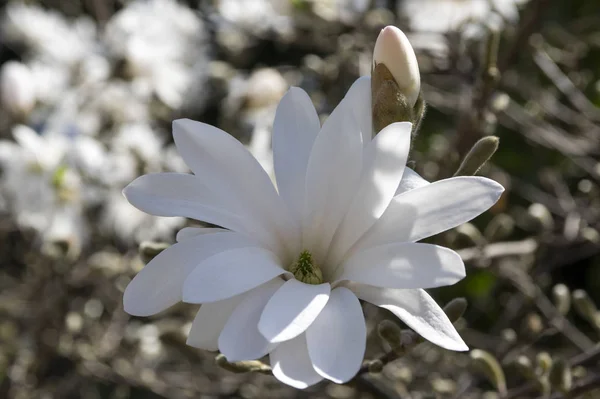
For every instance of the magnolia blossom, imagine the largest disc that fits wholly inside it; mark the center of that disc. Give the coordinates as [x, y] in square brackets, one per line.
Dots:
[40, 188]
[163, 44]
[447, 15]
[17, 91]
[284, 274]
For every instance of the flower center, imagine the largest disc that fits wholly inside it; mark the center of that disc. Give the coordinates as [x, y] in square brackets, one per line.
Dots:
[305, 270]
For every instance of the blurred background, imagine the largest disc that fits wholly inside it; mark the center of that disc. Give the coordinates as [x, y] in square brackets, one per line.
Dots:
[89, 88]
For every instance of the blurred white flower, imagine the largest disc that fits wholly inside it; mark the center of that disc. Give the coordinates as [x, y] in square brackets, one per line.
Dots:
[119, 102]
[41, 190]
[17, 90]
[286, 276]
[139, 140]
[88, 156]
[162, 43]
[67, 228]
[448, 15]
[48, 35]
[50, 81]
[256, 16]
[346, 11]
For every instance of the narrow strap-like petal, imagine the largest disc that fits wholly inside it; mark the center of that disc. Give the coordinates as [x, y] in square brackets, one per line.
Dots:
[189, 232]
[292, 310]
[404, 265]
[230, 273]
[384, 161]
[410, 181]
[331, 179]
[180, 194]
[209, 323]
[418, 310]
[337, 338]
[240, 338]
[235, 177]
[432, 209]
[358, 99]
[292, 365]
[159, 284]
[295, 129]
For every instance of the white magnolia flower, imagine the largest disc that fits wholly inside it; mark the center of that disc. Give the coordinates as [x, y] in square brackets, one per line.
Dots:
[42, 191]
[284, 274]
[17, 90]
[164, 45]
[346, 11]
[256, 16]
[47, 34]
[447, 15]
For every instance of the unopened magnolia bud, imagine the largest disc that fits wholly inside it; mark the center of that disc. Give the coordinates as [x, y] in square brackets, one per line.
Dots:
[541, 216]
[375, 366]
[561, 376]
[148, 249]
[481, 152]
[489, 365]
[585, 306]
[562, 298]
[455, 309]
[242, 367]
[409, 338]
[544, 362]
[472, 233]
[533, 325]
[523, 364]
[393, 50]
[391, 333]
[500, 227]
[17, 89]
[509, 335]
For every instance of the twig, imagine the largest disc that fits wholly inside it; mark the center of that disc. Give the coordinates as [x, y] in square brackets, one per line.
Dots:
[384, 359]
[564, 84]
[499, 249]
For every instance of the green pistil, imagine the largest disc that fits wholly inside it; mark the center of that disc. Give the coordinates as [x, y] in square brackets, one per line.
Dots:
[305, 270]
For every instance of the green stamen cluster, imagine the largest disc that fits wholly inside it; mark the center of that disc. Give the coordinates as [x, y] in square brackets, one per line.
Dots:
[305, 270]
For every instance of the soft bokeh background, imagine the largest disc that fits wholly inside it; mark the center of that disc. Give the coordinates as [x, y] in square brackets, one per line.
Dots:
[89, 88]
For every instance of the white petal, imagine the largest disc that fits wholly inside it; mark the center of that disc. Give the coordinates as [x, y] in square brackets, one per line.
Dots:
[404, 265]
[189, 232]
[209, 322]
[159, 284]
[331, 179]
[28, 138]
[295, 129]
[292, 309]
[240, 338]
[359, 100]
[383, 166]
[234, 175]
[432, 209]
[418, 310]
[179, 194]
[410, 181]
[292, 365]
[337, 338]
[230, 273]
